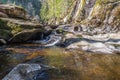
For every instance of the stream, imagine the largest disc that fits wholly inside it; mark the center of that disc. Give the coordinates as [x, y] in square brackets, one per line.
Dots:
[68, 57]
[65, 64]
[59, 40]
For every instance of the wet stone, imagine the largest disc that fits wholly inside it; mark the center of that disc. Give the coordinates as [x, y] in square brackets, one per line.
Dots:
[27, 72]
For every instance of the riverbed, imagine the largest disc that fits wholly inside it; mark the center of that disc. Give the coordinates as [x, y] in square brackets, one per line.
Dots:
[65, 64]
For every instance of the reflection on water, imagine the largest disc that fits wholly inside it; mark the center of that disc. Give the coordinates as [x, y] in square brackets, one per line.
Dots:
[66, 65]
[79, 65]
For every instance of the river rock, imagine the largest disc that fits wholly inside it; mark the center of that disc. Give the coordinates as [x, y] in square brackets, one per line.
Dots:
[27, 72]
[22, 72]
[98, 48]
[108, 47]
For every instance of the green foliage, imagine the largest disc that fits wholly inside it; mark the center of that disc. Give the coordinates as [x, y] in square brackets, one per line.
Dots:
[44, 11]
[14, 27]
[53, 9]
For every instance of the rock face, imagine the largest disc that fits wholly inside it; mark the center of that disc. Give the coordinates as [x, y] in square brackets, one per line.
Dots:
[86, 12]
[108, 22]
[13, 24]
[59, 11]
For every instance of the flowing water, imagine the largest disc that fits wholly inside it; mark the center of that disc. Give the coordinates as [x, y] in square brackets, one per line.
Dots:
[66, 64]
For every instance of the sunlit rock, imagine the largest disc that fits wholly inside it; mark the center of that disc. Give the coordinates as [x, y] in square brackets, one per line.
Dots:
[15, 26]
[23, 72]
[110, 46]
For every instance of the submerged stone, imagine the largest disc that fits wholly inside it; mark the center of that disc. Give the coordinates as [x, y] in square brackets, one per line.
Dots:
[26, 72]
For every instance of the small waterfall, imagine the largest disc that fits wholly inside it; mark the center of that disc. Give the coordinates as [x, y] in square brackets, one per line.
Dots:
[50, 40]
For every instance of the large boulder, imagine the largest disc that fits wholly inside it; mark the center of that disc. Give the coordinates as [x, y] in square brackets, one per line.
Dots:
[10, 27]
[13, 11]
[108, 47]
[28, 72]
[14, 25]
[27, 35]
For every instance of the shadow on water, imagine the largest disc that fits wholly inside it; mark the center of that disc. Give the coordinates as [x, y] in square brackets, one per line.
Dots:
[80, 65]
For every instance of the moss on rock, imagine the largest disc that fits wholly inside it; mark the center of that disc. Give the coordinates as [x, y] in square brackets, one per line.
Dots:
[15, 28]
[10, 27]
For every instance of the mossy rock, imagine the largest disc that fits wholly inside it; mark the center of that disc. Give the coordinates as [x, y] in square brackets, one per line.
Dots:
[27, 35]
[16, 27]
[18, 30]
